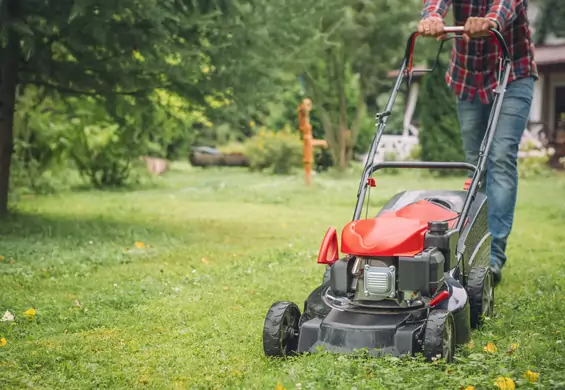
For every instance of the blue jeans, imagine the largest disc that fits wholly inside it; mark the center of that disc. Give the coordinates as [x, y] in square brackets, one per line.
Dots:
[502, 164]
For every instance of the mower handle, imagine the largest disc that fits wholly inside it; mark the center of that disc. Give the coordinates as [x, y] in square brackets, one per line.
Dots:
[458, 30]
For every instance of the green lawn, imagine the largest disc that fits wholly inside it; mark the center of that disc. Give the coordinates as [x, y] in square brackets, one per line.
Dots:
[187, 310]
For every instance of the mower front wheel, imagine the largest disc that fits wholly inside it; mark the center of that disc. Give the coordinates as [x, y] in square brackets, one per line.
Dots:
[280, 330]
[439, 336]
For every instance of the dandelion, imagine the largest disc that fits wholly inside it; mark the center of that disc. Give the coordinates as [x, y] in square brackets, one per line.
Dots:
[505, 383]
[531, 376]
[139, 245]
[279, 387]
[30, 312]
[1, 258]
[490, 347]
[3, 342]
[470, 388]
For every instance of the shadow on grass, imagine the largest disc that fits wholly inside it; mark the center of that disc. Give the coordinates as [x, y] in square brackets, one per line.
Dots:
[26, 225]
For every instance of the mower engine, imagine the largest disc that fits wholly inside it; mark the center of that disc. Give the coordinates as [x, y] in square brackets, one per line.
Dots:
[399, 279]
[374, 278]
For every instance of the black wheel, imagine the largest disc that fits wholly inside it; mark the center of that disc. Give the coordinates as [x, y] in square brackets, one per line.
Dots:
[280, 330]
[439, 336]
[480, 288]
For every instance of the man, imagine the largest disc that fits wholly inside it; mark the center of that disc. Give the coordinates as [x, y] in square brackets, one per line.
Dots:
[472, 77]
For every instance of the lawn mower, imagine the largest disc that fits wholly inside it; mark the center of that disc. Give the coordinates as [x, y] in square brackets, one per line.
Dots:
[416, 277]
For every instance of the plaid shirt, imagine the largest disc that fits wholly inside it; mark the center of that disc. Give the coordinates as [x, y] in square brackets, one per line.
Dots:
[473, 66]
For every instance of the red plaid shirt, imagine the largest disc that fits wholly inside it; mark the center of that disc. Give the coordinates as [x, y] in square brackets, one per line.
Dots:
[474, 65]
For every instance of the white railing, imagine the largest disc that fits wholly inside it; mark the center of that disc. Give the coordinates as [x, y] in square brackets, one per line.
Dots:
[401, 146]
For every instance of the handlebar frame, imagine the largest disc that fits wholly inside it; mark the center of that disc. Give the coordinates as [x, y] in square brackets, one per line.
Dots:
[457, 30]
[382, 119]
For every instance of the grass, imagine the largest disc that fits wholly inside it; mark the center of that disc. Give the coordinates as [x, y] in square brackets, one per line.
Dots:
[186, 310]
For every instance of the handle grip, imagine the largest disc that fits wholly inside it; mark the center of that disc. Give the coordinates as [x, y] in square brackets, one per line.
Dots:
[453, 29]
[458, 30]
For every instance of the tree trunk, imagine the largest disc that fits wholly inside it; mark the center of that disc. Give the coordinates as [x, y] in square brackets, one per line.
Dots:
[8, 84]
[360, 111]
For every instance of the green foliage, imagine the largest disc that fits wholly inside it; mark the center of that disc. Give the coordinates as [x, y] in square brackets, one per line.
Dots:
[365, 41]
[536, 164]
[239, 53]
[173, 124]
[39, 147]
[550, 20]
[415, 153]
[391, 156]
[440, 138]
[280, 151]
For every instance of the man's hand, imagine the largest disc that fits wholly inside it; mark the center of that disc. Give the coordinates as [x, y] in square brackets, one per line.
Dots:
[432, 27]
[477, 27]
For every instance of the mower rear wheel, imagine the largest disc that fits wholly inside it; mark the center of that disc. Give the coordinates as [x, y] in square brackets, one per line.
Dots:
[280, 330]
[480, 288]
[439, 336]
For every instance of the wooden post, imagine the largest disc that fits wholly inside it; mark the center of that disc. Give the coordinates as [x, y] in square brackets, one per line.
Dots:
[308, 142]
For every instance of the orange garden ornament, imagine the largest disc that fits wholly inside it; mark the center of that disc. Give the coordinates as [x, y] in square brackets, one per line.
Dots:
[308, 142]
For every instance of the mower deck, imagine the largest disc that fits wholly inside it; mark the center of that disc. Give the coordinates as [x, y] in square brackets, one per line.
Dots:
[394, 331]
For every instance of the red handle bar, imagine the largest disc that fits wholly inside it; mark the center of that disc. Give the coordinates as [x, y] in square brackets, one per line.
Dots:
[499, 39]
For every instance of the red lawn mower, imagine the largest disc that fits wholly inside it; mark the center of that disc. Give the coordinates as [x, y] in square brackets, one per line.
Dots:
[416, 277]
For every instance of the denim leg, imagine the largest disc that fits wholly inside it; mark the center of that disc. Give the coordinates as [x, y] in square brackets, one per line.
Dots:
[502, 169]
[473, 119]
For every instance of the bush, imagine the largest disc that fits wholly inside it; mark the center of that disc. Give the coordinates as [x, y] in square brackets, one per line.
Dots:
[391, 156]
[39, 159]
[279, 152]
[440, 138]
[535, 165]
[415, 153]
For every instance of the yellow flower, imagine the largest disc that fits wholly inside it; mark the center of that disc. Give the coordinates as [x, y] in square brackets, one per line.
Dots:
[3, 342]
[505, 383]
[252, 123]
[30, 312]
[470, 388]
[1, 258]
[279, 387]
[139, 245]
[490, 347]
[512, 348]
[531, 376]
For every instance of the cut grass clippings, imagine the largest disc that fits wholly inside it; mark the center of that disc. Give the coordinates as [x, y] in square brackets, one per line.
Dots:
[168, 288]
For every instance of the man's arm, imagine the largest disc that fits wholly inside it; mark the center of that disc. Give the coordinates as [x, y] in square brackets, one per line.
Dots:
[435, 8]
[502, 12]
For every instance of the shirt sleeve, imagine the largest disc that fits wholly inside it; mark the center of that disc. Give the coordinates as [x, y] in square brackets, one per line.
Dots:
[502, 12]
[435, 8]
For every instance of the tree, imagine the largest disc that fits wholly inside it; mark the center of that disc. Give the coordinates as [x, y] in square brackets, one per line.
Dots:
[440, 139]
[121, 52]
[365, 40]
[550, 20]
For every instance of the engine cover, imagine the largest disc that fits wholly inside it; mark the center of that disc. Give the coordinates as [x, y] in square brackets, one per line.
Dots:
[379, 281]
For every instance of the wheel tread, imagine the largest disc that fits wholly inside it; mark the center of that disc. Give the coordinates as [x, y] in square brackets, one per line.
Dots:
[272, 327]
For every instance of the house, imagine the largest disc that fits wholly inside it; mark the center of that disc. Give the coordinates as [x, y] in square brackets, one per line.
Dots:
[548, 104]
